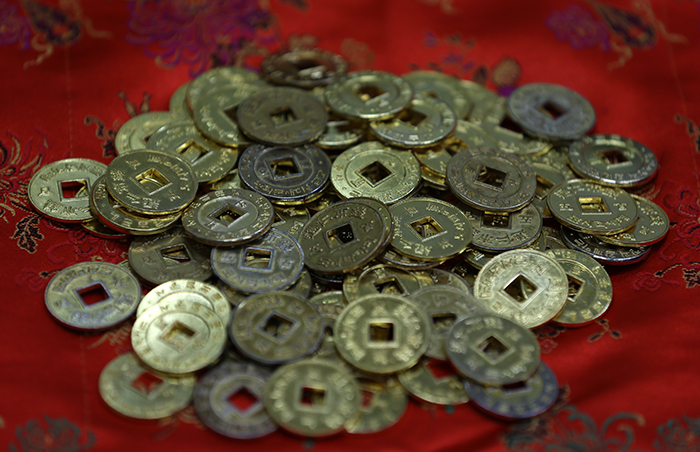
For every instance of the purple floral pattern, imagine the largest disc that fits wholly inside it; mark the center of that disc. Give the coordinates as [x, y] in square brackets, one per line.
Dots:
[52, 435]
[579, 27]
[14, 28]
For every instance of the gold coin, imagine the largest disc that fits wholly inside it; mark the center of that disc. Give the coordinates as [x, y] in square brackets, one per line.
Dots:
[384, 401]
[380, 279]
[231, 180]
[133, 134]
[215, 113]
[291, 219]
[368, 95]
[434, 381]
[652, 226]
[441, 86]
[220, 77]
[484, 99]
[547, 177]
[340, 133]
[99, 229]
[178, 102]
[391, 257]
[503, 231]
[188, 289]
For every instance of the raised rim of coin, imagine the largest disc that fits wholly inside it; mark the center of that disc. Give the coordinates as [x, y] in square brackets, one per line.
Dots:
[188, 289]
[131, 135]
[605, 253]
[651, 228]
[369, 95]
[217, 78]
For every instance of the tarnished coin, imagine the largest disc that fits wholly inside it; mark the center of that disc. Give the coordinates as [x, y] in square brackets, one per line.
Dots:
[220, 77]
[383, 403]
[276, 327]
[229, 400]
[152, 182]
[490, 179]
[550, 111]
[368, 95]
[605, 253]
[178, 336]
[521, 400]
[382, 334]
[503, 231]
[613, 160]
[376, 171]
[312, 397]
[429, 229]
[209, 160]
[423, 123]
[228, 217]
[178, 102]
[215, 113]
[134, 133]
[61, 189]
[547, 177]
[380, 279]
[652, 226]
[282, 116]
[92, 295]
[443, 87]
[271, 262]
[525, 286]
[590, 288]
[285, 175]
[589, 207]
[342, 237]
[434, 381]
[340, 133]
[133, 390]
[492, 350]
[291, 219]
[170, 255]
[191, 290]
[304, 68]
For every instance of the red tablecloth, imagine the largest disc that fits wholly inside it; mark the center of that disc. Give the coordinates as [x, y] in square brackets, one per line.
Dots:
[73, 71]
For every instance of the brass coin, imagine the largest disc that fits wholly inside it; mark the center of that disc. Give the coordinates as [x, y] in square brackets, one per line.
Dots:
[231, 180]
[375, 171]
[216, 78]
[342, 237]
[228, 217]
[503, 231]
[394, 259]
[215, 113]
[434, 381]
[209, 160]
[291, 219]
[178, 102]
[368, 95]
[178, 336]
[429, 229]
[119, 218]
[99, 229]
[423, 123]
[133, 134]
[490, 179]
[553, 238]
[190, 290]
[340, 133]
[605, 253]
[557, 157]
[524, 286]
[382, 334]
[652, 226]
[302, 287]
[433, 181]
[445, 278]
[285, 175]
[613, 160]
[329, 305]
[590, 288]
[304, 68]
[484, 99]
[276, 327]
[380, 279]
[92, 296]
[133, 390]
[589, 207]
[547, 177]
[476, 258]
[492, 350]
[271, 262]
[443, 87]
[61, 189]
[170, 255]
[383, 403]
[152, 182]
[282, 116]
[312, 397]
[385, 212]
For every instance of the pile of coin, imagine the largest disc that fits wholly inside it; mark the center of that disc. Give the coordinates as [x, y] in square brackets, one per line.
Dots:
[377, 237]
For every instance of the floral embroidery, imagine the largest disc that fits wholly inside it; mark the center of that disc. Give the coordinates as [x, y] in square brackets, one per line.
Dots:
[679, 435]
[119, 338]
[579, 27]
[358, 54]
[57, 435]
[615, 334]
[546, 334]
[33, 280]
[693, 130]
[13, 27]
[446, 6]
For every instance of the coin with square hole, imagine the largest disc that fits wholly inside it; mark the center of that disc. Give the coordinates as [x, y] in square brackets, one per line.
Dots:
[151, 182]
[490, 179]
[229, 400]
[228, 217]
[492, 350]
[434, 381]
[133, 135]
[209, 160]
[134, 390]
[312, 397]
[590, 207]
[613, 160]
[219, 78]
[170, 255]
[375, 171]
[341, 133]
[282, 116]
[61, 189]
[271, 262]
[369, 95]
[652, 226]
[380, 279]
[441, 86]
[92, 296]
[603, 252]
[215, 113]
[429, 229]
[382, 333]
[276, 327]
[502, 231]
[188, 289]
[525, 286]
[304, 68]
[384, 402]
[178, 336]
[550, 111]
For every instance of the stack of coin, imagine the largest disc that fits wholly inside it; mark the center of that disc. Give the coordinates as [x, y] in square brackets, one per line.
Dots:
[379, 237]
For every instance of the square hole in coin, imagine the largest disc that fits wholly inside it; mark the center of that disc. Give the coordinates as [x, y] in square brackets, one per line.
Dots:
[368, 92]
[277, 326]
[192, 151]
[551, 110]
[243, 400]
[283, 115]
[492, 349]
[516, 388]
[93, 294]
[175, 255]
[146, 383]
[426, 228]
[575, 286]
[389, 285]
[226, 215]
[520, 289]
[312, 396]
[412, 117]
[491, 177]
[177, 335]
[283, 167]
[375, 173]
[613, 157]
[496, 220]
[152, 180]
[340, 236]
[381, 332]
[257, 259]
[439, 369]
[442, 321]
[72, 189]
[592, 205]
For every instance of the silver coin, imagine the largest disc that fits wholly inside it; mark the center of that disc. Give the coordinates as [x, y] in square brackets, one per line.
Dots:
[603, 252]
